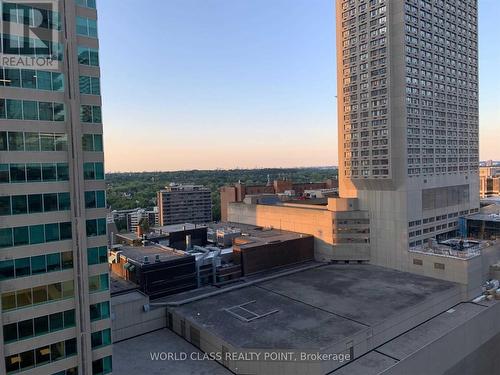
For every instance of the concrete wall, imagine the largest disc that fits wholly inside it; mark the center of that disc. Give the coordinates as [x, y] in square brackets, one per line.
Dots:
[129, 318]
[482, 361]
[470, 273]
[471, 348]
[317, 221]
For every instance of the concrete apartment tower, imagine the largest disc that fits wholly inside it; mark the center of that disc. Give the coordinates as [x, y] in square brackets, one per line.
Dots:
[179, 204]
[408, 118]
[54, 284]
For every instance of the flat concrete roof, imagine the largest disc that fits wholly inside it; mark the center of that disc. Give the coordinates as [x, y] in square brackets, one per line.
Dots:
[177, 228]
[259, 237]
[119, 285]
[133, 356]
[403, 346]
[317, 308]
[138, 253]
[128, 297]
[484, 217]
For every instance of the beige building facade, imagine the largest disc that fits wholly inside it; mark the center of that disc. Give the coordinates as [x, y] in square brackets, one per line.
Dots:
[55, 311]
[489, 179]
[341, 231]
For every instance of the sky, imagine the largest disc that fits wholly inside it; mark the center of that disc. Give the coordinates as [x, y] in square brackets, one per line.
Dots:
[209, 84]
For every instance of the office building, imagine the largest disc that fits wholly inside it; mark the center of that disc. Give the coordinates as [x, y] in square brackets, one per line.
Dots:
[408, 118]
[185, 204]
[55, 312]
[489, 179]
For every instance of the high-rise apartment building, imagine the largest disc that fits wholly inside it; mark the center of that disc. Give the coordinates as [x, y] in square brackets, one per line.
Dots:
[185, 204]
[55, 311]
[408, 118]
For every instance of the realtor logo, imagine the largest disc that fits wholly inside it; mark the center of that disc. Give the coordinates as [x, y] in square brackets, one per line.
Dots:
[30, 34]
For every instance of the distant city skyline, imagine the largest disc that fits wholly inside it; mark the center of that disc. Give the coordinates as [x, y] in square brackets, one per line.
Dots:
[223, 84]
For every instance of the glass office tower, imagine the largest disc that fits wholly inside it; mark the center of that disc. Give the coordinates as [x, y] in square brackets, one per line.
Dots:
[54, 283]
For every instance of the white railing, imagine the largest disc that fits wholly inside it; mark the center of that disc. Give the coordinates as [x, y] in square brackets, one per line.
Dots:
[448, 252]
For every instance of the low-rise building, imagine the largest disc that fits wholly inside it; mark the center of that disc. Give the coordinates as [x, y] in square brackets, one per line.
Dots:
[156, 269]
[237, 192]
[341, 231]
[262, 249]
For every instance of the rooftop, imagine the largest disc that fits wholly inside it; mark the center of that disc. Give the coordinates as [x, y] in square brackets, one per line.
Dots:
[452, 248]
[259, 236]
[133, 356]
[403, 346]
[176, 228]
[137, 253]
[318, 308]
[484, 217]
[119, 285]
[181, 188]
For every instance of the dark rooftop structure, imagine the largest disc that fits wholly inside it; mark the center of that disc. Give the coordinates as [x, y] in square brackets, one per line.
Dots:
[157, 270]
[151, 251]
[329, 309]
[170, 235]
[260, 249]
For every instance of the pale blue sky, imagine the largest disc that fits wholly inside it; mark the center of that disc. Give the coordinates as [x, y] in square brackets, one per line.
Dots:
[237, 83]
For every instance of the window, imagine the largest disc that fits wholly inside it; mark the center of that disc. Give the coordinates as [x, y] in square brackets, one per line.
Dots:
[86, 3]
[35, 234]
[439, 266]
[92, 142]
[99, 311]
[102, 366]
[418, 262]
[86, 27]
[93, 171]
[96, 227]
[88, 56]
[98, 283]
[41, 356]
[39, 326]
[21, 173]
[100, 338]
[31, 110]
[30, 15]
[32, 79]
[90, 85]
[90, 114]
[97, 255]
[34, 296]
[95, 199]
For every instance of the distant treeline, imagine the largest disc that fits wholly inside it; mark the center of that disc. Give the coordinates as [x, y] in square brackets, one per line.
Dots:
[131, 190]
